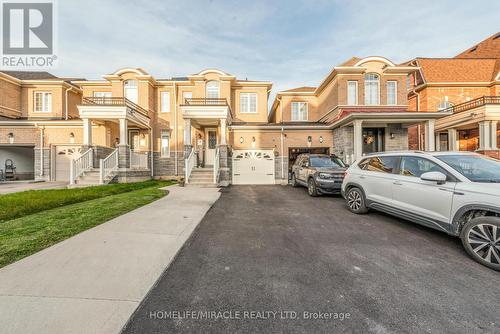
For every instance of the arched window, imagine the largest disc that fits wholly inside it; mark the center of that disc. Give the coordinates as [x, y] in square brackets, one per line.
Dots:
[445, 105]
[372, 89]
[130, 90]
[212, 90]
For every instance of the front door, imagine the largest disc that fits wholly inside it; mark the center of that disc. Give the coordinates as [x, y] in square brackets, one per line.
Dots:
[210, 144]
[373, 140]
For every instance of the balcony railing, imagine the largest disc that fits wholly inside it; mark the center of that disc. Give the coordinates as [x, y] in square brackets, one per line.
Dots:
[114, 101]
[481, 101]
[205, 102]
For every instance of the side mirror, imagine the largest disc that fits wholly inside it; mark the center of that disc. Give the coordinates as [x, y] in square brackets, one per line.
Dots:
[437, 177]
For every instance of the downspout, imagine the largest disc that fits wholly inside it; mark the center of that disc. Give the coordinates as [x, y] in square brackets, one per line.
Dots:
[176, 130]
[282, 142]
[151, 144]
[41, 150]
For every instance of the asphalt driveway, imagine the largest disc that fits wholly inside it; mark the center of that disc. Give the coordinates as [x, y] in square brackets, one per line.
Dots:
[271, 259]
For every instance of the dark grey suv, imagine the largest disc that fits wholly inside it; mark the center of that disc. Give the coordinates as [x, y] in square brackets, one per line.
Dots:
[320, 173]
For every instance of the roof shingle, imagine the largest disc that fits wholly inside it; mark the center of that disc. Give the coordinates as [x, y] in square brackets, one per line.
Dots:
[457, 69]
[489, 48]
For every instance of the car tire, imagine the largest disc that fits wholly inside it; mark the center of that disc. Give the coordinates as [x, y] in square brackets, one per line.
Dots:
[312, 190]
[294, 181]
[481, 240]
[355, 199]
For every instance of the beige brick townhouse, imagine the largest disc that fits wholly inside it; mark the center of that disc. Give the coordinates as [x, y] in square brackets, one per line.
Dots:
[209, 127]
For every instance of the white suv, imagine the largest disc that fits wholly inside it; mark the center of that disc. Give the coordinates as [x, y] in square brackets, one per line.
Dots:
[455, 192]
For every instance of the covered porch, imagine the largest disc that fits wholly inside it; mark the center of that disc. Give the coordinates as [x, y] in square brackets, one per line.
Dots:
[126, 151]
[205, 140]
[472, 126]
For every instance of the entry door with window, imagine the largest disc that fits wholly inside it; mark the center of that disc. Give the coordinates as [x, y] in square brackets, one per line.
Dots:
[211, 144]
[373, 140]
[133, 139]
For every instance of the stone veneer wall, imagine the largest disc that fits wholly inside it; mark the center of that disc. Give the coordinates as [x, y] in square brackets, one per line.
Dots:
[101, 152]
[165, 166]
[400, 141]
[343, 143]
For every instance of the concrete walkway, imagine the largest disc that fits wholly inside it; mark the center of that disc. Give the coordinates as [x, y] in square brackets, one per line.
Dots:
[93, 282]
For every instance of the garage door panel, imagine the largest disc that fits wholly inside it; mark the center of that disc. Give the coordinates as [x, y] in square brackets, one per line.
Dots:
[64, 155]
[253, 167]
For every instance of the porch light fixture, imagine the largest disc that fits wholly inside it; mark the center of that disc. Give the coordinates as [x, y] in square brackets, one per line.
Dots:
[241, 140]
[321, 139]
[392, 135]
[72, 138]
[11, 137]
[253, 139]
[309, 139]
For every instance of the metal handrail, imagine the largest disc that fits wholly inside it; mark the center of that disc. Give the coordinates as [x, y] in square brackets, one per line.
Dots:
[138, 159]
[481, 101]
[216, 166]
[204, 101]
[108, 165]
[80, 165]
[114, 101]
[189, 163]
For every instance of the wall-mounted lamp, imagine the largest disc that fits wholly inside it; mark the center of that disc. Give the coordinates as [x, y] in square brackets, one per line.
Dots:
[392, 135]
[309, 139]
[11, 137]
[241, 140]
[72, 138]
[253, 141]
[321, 139]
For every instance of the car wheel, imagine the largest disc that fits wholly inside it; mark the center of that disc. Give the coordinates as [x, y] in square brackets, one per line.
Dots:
[311, 188]
[356, 201]
[481, 239]
[294, 181]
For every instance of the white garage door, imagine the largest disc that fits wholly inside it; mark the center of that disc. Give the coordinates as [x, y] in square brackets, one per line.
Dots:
[64, 154]
[253, 167]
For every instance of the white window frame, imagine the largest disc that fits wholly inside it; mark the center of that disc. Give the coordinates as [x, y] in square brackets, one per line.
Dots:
[46, 106]
[212, 92]
[370, 102]
[165, 150]
[298, 104]
[245, 108]
[395, 92]
[101, 94]
[355, 92]
[130, 88]
[443, 105]
[165, 104]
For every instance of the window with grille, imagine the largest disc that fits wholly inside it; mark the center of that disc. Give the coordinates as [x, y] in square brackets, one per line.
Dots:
[392, 92]
[299, 111]
[43, 102]
[212, 90]
[372, 89]
[352, 93]
[130, 90]
[248, 102]
[165, 101]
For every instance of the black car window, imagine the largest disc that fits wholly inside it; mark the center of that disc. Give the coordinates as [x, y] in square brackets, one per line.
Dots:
[325, 162]
[383, 164]
[416, 166]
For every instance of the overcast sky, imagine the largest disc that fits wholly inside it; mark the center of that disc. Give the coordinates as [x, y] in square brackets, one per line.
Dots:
[291, 43]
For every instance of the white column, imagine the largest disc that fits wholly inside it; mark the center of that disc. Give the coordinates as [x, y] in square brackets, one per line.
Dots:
[437, 140]
[223, 131]
[123, 132]
[452, 140]
[493, 136]
[358, 139]
[484, 135]
[87, 132]
[187, 131]
[430, 144]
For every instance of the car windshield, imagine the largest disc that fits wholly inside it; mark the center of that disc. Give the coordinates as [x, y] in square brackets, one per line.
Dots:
[474, 167]
[327, 162]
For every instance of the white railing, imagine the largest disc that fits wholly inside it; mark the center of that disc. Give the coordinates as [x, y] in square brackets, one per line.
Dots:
[138, 159]
[216, 165]
[108, 165]
[80, 165]
[190, 162]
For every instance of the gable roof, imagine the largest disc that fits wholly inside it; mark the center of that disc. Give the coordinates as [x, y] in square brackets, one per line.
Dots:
[30, 75]
[303, 89]
[488, 48]
[457, 69]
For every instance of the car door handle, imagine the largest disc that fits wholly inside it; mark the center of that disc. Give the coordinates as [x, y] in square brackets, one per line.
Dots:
[452, 191]
[397, 183]
[362, 177]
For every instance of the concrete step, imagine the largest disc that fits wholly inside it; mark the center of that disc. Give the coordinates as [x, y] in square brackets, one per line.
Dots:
[202, 185]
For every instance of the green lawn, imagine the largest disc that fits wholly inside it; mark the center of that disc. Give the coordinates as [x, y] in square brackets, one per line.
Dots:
[27, 202]
[31, 233]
